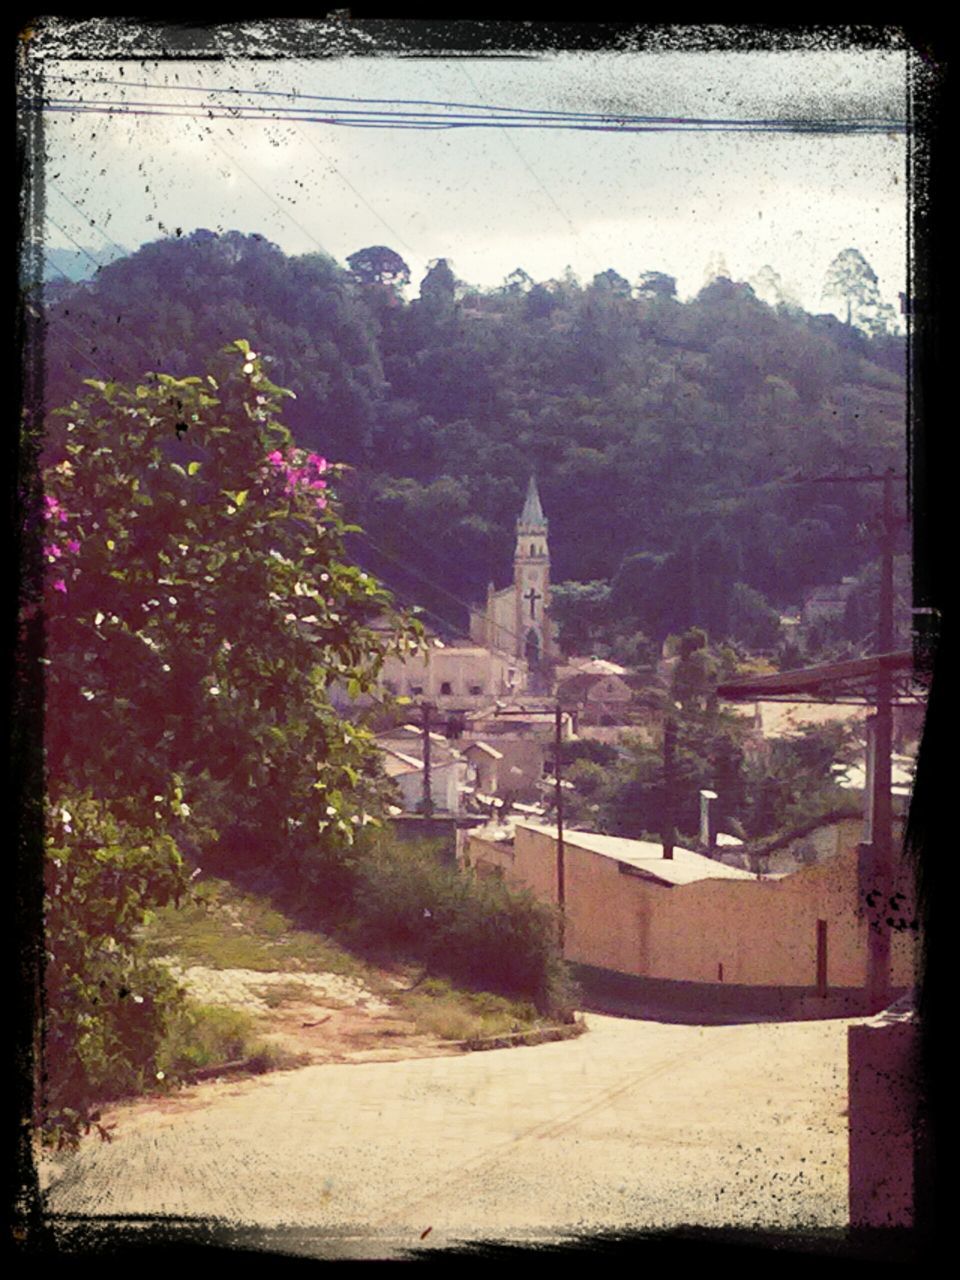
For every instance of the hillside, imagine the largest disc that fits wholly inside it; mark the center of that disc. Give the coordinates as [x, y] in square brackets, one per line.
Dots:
[659, 430]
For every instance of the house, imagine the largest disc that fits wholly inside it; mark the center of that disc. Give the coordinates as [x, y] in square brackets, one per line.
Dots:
[484, 760]
[599, 698]
[692, 931]
[401, 751]
[524, 734]
[448, 780]
[827, 603]
[455, 677]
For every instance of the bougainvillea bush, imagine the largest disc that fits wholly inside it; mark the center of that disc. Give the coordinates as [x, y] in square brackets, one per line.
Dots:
[198, 607]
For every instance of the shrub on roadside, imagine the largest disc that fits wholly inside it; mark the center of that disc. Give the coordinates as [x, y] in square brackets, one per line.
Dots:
[105, 1002]
[480, 933]
[200, 1035]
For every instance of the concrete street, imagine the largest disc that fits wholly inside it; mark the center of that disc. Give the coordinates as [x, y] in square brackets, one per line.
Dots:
[635, 1124]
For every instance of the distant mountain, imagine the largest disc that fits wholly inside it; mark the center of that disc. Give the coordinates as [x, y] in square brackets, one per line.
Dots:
[78, 264]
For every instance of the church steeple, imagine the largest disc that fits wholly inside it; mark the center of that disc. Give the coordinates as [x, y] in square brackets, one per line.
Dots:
[531, 575]
[532, 517]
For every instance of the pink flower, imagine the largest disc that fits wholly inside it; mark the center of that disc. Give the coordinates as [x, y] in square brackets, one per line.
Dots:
[73, 545]
[53, 551]
[60, 585]
[318, 463]
[276, 458]
[321, 503]
[318, 484]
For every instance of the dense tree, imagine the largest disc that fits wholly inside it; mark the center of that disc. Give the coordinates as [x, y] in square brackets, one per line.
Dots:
[655, 284]
[379, 265]
[670, 422]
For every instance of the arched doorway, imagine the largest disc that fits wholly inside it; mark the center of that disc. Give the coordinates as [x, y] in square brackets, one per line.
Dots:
[532, 649]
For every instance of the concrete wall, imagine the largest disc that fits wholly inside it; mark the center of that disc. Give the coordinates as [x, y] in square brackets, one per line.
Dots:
[762, 933]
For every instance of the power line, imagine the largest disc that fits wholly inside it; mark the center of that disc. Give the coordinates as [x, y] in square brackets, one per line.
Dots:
[91, 221]
[433, 121]
[265, 192]
[523, 160]
[487, 114]
[363, 200]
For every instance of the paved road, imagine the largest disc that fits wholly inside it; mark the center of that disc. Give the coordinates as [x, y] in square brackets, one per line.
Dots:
[636, 1124]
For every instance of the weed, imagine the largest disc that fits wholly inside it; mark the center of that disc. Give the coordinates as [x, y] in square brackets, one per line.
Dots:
[199, 1035]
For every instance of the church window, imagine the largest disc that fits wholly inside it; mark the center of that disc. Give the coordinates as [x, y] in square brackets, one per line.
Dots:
[476, 688]
[446, 687]
[533, 549]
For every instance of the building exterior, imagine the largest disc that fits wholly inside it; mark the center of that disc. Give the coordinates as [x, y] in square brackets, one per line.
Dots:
[455, 677]
[524, 733]
[694, 924]
[516, 620]
[485, 761]
[599, 699]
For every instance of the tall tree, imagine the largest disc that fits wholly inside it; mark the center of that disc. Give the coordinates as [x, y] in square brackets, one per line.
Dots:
[379, 265]
[851, 281]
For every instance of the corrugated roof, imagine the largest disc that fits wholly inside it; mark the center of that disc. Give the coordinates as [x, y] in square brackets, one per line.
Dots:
[685, 867]
[855, 677]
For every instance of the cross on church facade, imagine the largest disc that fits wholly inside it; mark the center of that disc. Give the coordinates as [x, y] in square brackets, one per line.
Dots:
[533, 596]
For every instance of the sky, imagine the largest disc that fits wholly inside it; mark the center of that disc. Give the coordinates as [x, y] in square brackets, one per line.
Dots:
[493, 199]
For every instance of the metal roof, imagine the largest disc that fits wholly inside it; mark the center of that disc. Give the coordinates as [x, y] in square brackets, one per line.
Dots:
[646, 858]
[851, 681]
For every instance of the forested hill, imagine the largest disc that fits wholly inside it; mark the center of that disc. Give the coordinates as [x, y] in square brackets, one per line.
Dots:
[656, 428]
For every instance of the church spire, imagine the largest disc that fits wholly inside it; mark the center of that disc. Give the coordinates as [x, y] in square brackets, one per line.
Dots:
[532, 517]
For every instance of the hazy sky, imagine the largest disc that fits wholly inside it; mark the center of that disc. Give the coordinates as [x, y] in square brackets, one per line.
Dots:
[494, 199]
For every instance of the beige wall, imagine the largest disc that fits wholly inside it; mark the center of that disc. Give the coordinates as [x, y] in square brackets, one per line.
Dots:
[762, 932]
[463, 669]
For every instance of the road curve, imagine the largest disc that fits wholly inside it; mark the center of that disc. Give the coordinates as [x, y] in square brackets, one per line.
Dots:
[634, 1125]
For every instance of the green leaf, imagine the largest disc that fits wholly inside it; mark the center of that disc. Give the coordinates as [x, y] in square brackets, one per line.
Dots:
[193, 468]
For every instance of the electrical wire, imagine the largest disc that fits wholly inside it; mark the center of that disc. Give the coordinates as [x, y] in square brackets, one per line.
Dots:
[427, 121]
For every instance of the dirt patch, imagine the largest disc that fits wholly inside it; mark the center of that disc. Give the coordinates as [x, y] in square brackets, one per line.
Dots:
[352, 1034]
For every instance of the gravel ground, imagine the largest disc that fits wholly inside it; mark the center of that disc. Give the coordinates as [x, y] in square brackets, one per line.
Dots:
[635, 1125]
[243, 988]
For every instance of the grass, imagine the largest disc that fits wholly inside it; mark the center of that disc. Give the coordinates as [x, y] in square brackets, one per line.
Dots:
[200, 1035]
[222, 928]
[439, 1009]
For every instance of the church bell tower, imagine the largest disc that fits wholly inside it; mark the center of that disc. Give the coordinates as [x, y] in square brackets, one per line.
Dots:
[531, 577]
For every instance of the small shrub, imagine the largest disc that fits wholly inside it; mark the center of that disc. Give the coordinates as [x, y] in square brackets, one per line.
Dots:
[200, 1035]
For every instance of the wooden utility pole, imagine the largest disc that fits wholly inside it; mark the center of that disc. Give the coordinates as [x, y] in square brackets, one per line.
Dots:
[427, 793]
[561, 888]
[880, 848]
[669, 782]
[878, 949]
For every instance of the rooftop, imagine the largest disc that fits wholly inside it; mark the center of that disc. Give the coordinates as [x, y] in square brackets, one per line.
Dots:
[685, 867]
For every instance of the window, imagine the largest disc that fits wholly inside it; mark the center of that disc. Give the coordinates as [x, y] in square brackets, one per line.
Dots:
[476, 688]
[446, 687]
[416, 689]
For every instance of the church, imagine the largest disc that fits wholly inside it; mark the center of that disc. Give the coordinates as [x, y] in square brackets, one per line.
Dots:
[516, 620]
